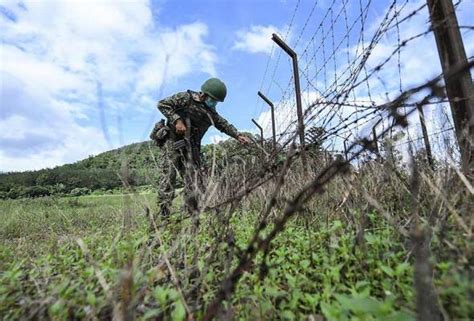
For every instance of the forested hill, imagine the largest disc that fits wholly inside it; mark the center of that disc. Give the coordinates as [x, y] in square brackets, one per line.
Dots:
[137, 155]
[100, 172]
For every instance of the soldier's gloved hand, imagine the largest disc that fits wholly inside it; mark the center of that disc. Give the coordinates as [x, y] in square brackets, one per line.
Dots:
[243, 139]
[180, 127]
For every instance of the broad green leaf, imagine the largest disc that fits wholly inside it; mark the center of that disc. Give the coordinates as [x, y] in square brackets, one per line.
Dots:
[305, 264]
[330, 311]
[401, 268]
[274, 292]
[366, 305]
[56, 307]
[288, 315]
[160, 295]
[179, 313]
[153, 313]
[387, 269]
[400, 316]
[91, 299]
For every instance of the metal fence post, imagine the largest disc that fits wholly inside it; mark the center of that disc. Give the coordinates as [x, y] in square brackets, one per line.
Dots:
[299, 107]
[374, 138]
[345, 148]
[272, 109]
[459, 88]
[261, 132]
[426, 139]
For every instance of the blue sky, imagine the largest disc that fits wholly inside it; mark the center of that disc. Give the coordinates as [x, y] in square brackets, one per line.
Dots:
[81, 77]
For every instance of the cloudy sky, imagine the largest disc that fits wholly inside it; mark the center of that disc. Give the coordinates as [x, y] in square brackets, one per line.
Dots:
[81, 77]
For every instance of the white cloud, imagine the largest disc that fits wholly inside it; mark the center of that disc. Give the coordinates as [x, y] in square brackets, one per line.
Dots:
[419, 62]
[215, 139]
[285, 116]
[174, 54]
[54, 57]
[40, 132]
[256, 39]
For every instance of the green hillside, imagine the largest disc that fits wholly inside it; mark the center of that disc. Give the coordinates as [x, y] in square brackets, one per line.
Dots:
[100, 172]
[137, 155]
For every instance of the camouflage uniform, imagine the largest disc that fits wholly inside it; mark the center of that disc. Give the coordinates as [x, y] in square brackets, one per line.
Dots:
[198, 118]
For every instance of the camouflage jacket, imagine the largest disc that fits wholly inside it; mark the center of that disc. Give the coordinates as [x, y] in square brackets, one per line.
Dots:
[195, 114]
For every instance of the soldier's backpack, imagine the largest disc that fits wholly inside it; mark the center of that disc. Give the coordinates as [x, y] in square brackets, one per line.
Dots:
[160, 133]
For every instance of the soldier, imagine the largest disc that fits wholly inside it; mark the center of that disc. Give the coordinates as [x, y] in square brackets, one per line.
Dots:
[189, 114]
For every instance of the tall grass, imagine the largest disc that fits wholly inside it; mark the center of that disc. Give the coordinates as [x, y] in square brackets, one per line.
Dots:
[356, 250]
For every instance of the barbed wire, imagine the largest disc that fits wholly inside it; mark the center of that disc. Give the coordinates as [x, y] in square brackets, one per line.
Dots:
[332, 123]
[334, 65]
[431, 135]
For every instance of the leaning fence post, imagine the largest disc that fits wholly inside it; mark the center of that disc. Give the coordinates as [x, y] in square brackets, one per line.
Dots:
[374, 138]
[459, 88]
[272, 109]
[299, 107]
[345, 147]
[261, 133]
[426, 139]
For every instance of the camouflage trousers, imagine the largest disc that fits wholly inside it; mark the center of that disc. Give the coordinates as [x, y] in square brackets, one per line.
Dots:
[187, 166]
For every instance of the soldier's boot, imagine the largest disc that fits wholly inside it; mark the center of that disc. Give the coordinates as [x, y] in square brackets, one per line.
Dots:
[164, 211]
[191, 205]
[165, 197]
[191, 193]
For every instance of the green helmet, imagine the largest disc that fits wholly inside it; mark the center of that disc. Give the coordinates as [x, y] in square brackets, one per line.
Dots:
[214, 88]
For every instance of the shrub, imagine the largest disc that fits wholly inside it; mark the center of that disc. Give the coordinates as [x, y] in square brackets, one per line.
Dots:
[79, 191]
[35, 191]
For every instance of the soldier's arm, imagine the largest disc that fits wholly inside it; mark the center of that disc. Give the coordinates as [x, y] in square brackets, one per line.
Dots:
[224, 126]
[171, 106]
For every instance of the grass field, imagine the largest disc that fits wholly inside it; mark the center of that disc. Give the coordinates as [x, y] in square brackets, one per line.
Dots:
[74, 258]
